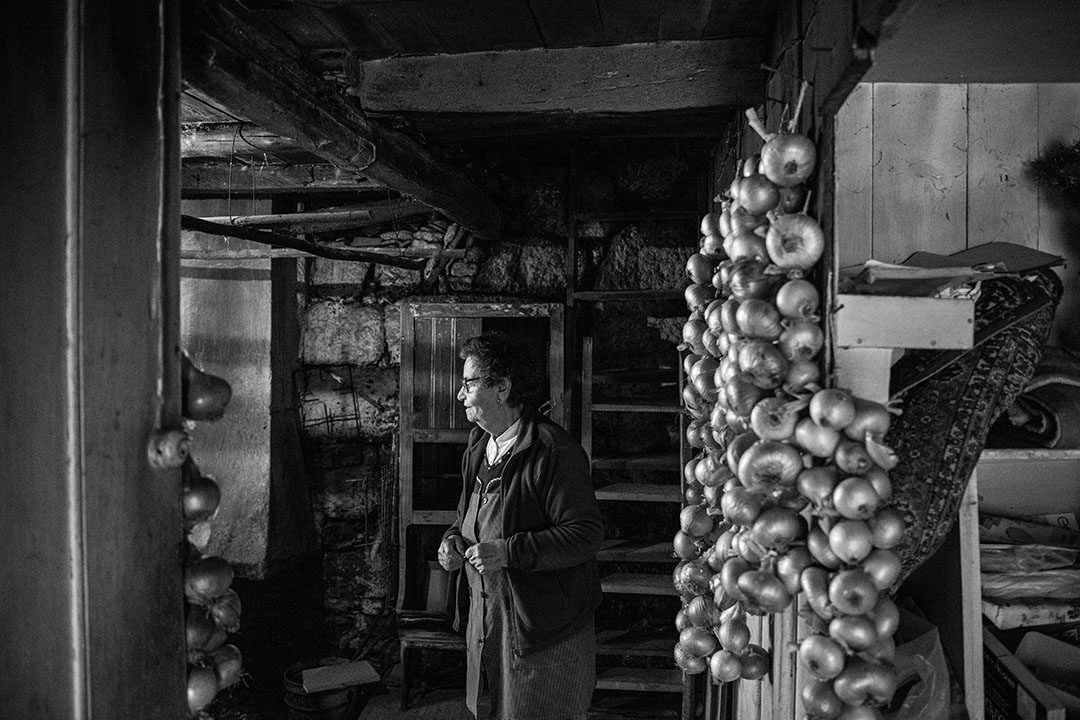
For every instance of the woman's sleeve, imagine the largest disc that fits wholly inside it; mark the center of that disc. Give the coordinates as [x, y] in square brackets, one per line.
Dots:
[564, 486]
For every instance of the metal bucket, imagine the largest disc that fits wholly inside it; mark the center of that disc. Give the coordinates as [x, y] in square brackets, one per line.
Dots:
[338, 704]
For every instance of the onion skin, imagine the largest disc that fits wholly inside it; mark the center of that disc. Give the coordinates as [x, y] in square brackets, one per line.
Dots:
[204, 396]
[795, 242]
[228, 665]
[788, 159]
[798, 299]
[202, 687]
[201, 494]
[764, 362]
[207, 579]
[767, 465]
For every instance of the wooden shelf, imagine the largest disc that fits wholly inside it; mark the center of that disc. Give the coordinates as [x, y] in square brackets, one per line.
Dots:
[651, 407]
[650, 294]
[430, 517]
[641, 461]
[638, 584]
[636, 551]
[640, 679]
[637, 643]
[639, 492]
[632, 215]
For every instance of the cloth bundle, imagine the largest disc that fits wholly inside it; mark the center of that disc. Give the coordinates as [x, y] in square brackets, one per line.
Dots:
[1047, 413]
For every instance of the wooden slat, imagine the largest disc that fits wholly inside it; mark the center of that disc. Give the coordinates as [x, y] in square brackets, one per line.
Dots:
[636, 643]
[1001, 202]
[853, 178]
[637, 584]
[639, 492]
[1047, 479]
[920, 169]
[635, 551]
[639, 679]
[642, 77]
[441, 435]
[971, 600]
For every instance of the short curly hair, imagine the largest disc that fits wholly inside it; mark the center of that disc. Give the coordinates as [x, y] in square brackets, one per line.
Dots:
[501, 356]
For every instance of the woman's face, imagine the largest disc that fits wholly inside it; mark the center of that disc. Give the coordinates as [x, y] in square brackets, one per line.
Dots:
[481, 400]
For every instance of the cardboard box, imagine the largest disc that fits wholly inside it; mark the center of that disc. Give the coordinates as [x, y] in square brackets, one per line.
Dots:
[1008, 615]
[1011, 690]
[1056, 664]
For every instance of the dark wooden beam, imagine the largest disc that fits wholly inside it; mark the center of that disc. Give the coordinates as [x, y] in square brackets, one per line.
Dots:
[640, 77]
[218, 179]
[248, 66]
[226, 140]
[329, 219]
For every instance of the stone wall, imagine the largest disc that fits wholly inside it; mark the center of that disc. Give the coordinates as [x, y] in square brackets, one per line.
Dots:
[350, 334]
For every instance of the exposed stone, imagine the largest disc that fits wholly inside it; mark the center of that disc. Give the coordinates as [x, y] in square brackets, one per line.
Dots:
[335, 331]
[545, 200]
[497, 273]
[543, 267]
[401, 280]
[338, 272]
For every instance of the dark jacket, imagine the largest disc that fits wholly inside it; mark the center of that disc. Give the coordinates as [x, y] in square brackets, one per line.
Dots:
[552, 526]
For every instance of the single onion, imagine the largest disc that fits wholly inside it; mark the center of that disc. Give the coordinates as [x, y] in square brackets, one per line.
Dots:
[800, 340]
[788, 159]
[759, 319]
[228, 665]
[743, 393]
[737, 447]
[710, 223]
[795, 241]
[748, 279]
[207, 579]
[202, 687]
[698, 297]
[802, 377]
[712, 245]
[226, 611]
[833, 408]
[774, 418]
[870, 417]
[685, 546]
[698, 641]
[201, 494]
[798, 299]
[758, 194]
[747, 245]
[691, 335]
[764, 362]
[729, 316]
[695, 520]
[199, 628]
[767, 465]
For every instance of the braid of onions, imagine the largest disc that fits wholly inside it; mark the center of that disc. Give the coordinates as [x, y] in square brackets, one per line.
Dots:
[788, 488]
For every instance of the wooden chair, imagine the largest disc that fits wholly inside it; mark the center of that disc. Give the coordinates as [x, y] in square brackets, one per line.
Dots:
[430, 629]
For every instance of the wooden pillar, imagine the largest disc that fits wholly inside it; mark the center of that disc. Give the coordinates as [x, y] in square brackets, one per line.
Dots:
[92, 535]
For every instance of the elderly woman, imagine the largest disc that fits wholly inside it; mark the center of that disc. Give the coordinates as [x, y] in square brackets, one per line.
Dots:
[527, 532]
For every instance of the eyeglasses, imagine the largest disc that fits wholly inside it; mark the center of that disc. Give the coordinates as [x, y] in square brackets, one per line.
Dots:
[467, 384]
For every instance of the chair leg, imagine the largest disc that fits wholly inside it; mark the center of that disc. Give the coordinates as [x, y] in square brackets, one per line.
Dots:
[406, 676]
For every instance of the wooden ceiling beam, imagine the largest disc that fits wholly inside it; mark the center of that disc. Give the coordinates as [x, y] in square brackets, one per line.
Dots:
[217, 179]
[247, 66]
[634, 78]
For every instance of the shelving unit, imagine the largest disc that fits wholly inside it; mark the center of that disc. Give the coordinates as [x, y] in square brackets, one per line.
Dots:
[1050, 483]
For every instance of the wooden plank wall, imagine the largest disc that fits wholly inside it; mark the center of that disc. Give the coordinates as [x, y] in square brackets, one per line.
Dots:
[941, 167]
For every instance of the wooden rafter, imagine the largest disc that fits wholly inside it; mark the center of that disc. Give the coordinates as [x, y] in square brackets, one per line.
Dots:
[249, 67]
[633, 78]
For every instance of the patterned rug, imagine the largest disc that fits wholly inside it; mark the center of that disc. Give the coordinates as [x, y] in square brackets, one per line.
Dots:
[951, 398]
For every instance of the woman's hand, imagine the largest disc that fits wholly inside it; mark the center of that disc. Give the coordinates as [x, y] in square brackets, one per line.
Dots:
[487, 556]
[452, 552]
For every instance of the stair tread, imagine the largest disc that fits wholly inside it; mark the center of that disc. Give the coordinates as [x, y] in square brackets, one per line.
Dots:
[638, 584]
[640, 492]
[639, 461]
[636, 642]
[640, 679]
[636, 551]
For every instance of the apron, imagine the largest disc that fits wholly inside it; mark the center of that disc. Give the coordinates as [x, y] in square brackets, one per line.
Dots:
[553, 683]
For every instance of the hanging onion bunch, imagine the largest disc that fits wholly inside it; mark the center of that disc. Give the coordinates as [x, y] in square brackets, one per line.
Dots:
[788, 491]
[212, 610]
